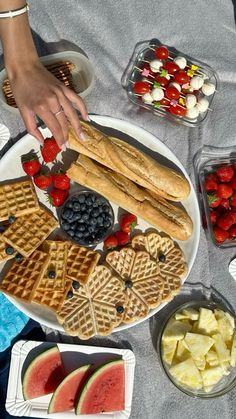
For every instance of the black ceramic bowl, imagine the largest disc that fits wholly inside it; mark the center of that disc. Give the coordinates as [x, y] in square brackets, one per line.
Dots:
[86, 218]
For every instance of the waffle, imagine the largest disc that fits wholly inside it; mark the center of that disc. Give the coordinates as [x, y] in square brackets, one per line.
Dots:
[93, 308]
[17, 199]
[23, 277]
[3, 255]
[81, 263]
[173, 269]
[145, 289]
[52, 292]
[29, 231]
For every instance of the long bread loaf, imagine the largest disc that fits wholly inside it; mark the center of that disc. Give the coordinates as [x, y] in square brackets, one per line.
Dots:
[138, 200]
[135, 165]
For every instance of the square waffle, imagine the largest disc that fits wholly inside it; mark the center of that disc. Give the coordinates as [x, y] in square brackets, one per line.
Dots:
[29, 231]
[81, 263]
[23, 277]
[169, 257]
[96, 307]
[3, 254]
[17, 199]
[142, 279]
[52, 291]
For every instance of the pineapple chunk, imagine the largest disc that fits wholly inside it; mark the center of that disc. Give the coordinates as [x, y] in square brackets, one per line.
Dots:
[200, 362]
[198, 344]
[212, 358]
[186, 373]
[230, 319]
[233, 351]
[191, 313]
[181, 316]
[225, 367]
[182, 352]
[175, 330]
[221, 348]
[211, 376]
[207, 389]
[168, 350]
[207, 322]
[219, 314]
[225, 329]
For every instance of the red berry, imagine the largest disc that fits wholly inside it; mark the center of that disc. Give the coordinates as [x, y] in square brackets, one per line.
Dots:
[233, 182]
[213, 217]
[57, 197]
[172, 93]
[163, 81]
[111, 242]
[162, 53]
[225, 173]
[140, 87]
[233, 200]
[212, 176]
[43, 180]
[30, 164]
[181, 77]
[164, 102]
[171, 67]
[232, 212]
[232, 232]
[210, 185]
[224, 191]
[50, 149]
[224, 205]
[61, 181]
[219, 234]
[122, 237]
[213, 200]
[225, 221]
[178, 110]
[128, 222]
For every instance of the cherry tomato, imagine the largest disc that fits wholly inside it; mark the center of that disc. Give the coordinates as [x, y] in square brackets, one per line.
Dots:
[172, 93]
[162, 81]
[181, 77]
[164, 102]
[171, 67]
[140, 87]
[161, 53]
[177, 110]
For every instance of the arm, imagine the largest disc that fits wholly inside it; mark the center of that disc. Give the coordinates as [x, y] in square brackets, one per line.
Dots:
[36, 90]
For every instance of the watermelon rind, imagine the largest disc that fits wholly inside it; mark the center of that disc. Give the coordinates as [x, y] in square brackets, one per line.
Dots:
[39, 358]
[58, 393]
[94, 376]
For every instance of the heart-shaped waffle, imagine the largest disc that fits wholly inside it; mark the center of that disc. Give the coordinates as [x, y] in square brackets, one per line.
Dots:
[143, 282]
[95, 308]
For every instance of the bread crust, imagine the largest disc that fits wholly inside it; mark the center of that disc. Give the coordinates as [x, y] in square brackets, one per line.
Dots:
[131, 162]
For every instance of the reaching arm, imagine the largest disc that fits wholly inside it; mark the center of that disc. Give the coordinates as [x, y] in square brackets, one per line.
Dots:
[37, 92]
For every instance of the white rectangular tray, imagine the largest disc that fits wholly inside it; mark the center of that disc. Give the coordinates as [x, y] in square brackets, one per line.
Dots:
[73, 356]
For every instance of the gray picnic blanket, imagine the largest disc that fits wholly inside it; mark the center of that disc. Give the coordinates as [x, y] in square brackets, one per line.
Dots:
[107, 31]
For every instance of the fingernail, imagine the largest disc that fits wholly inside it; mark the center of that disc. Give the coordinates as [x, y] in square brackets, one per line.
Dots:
[88, 119]
[63, 147]
[82, 136]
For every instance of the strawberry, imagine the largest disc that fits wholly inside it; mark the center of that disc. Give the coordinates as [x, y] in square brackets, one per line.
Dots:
[233, 200]
[233, 182]
[210, 185]
[30, 164]
[220, 235]
[213, 216]
[43, 180]
[225, 173]
[224, 191]
[122, 237]
[232, 232]
[50, 149]
[213, 200]
[225, 221]
[128, 222]
[57, 197]
[232, 212]
[224, 205]
[61, 181]
[111, 242]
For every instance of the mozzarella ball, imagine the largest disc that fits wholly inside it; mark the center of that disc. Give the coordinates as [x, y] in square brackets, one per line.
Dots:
[202, 104]
[176, 85]
[191, 101]
[181, 62]
[208, 88]
[147, 98]
[192, 113]
[196, 82]
[157, 94]
[155, 65]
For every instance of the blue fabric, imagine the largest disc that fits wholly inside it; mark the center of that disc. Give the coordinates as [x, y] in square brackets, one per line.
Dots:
[12, 321]
[32, 331]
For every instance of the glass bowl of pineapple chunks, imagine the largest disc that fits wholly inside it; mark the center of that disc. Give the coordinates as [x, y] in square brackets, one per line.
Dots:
[197, 348]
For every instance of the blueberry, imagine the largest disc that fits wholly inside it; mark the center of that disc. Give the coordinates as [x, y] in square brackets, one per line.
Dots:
[85, 217]
[100, 221]
[93, 197]
[89, 201]
[11, 219]
[73, 226]
[75, 285]
[65, 226]
[95, 205]
[107, 223]
[67, 214]
[94, 221]
[83, 207]
[76, 206]
[18, 257]
[51, 274]
[162, 257]
[71, 233]
[120, 309]
[77, 216]
[86, 234]
[95, 213]
[100, 201]
[69, 205]
[81, 198]
[128, 284]
[100, 209]
[91, 229]
[2, 228]
[9, 250]
[81, 227]
[79, 234]
[70, 294]
[100, 234]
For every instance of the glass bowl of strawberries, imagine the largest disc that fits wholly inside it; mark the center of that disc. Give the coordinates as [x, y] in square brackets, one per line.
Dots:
[215, 172]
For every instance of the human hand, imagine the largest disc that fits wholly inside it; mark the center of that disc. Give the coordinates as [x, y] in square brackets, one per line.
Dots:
[38, 93]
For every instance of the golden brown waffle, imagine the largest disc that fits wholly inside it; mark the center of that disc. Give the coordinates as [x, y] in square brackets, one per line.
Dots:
[81, 263]
[52, 292]
[23, 277]
[93, 308]
[29, 231]
[3, 255]
[142, 280]
[173, 268]
[17, 199]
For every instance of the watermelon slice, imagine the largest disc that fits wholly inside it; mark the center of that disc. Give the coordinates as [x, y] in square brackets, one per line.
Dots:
[104, 390]
[63, 398]
[43, 374]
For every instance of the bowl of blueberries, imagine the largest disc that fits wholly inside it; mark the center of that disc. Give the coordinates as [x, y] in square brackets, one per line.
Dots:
[86, 218]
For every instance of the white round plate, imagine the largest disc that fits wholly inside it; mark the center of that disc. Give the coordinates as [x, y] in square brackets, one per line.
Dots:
[10, 168]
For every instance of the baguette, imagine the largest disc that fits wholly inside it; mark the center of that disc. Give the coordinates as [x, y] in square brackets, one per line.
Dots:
[133, 198]
[131, 162]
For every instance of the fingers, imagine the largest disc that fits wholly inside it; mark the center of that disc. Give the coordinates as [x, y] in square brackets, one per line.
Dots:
[57, 125]
[30, 123]
[71, 114]
[77, 102]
